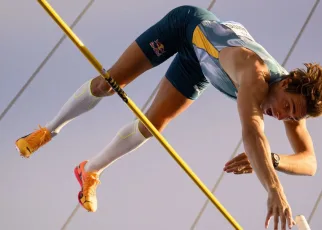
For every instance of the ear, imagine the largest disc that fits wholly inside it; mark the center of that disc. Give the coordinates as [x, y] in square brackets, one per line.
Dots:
[285, 82]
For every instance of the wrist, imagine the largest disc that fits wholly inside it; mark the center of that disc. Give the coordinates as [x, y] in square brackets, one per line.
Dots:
[275, 159]
[277, 188]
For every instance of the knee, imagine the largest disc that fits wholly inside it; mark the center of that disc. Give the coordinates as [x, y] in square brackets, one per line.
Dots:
[158, 125]
[100, 88]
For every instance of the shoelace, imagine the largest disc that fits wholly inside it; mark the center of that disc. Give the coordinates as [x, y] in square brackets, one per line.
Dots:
[91, 181]
[42, 135]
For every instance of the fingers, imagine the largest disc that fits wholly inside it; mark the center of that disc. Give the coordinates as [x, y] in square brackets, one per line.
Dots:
[283, 220]
[268, 217]
[289, 218]
[238, 165]
[279, 215]
[246, 170]
[281, 211]
[235, 163]
[242, 166]
[286, 217]
[276, 218]
[237, 158]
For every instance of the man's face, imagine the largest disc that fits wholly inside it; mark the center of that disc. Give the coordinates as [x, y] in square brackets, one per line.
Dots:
[283, 105]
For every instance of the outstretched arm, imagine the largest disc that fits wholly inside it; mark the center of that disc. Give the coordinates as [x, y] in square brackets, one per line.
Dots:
[303, 161]
[255, 142]
[300, 163]
[248, 71]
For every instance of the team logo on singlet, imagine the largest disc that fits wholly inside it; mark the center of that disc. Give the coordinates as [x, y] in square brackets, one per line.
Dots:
[157, 47]
[239, 30]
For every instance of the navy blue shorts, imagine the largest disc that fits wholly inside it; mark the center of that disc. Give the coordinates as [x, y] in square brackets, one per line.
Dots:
[173, 35]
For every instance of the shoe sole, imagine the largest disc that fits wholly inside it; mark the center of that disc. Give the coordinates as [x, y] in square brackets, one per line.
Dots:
[18, 150]
[80, 194]
[22, 156]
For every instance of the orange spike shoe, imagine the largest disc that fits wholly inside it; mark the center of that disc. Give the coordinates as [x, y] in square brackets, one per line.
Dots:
[30, 143]
[88, 182]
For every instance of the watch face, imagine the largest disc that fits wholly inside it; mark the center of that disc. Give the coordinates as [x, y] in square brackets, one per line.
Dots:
[276, 157]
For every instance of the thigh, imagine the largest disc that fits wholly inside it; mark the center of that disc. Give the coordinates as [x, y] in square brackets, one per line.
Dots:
[183, 84]
[171, 34]
[132, 63]
[153, 47]
[163, 39]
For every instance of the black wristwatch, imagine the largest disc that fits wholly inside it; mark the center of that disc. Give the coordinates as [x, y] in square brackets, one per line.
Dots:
[275, 159]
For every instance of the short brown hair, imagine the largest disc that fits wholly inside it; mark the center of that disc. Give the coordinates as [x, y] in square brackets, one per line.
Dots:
[308, 83]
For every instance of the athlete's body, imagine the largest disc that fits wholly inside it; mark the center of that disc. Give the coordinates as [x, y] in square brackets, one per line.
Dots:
[208, 52]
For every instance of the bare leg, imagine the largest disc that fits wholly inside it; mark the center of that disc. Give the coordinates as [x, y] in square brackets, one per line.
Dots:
[131, 64]
[167, 105]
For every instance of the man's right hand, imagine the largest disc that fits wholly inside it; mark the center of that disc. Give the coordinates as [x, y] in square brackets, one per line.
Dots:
[279, 208]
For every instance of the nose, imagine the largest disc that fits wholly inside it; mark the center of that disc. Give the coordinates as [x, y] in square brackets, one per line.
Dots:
[281, 116]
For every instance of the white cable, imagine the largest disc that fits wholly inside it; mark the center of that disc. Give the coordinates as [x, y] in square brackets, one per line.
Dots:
[70, 217]
[315, 207]
[240, 141]
[43, 63]
[149, 99]
[194, 224]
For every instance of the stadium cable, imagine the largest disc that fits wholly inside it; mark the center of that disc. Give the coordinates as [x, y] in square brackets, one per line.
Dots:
[315, 207]
[43, 63]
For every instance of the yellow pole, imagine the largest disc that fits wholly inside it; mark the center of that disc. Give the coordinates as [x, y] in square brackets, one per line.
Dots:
[136, 110]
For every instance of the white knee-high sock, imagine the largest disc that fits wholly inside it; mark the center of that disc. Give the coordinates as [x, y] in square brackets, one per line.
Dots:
[80, 102]
[127, 139]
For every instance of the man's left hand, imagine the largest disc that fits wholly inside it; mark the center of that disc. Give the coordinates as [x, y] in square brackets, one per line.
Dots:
[239, 165]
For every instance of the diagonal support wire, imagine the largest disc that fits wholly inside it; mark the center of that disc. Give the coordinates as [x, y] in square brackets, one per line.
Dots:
[70, 217]
[315, 207]
[194, 224]
[43, 63]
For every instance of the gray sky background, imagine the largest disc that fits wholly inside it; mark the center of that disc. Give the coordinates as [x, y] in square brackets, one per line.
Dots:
[146, 189]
